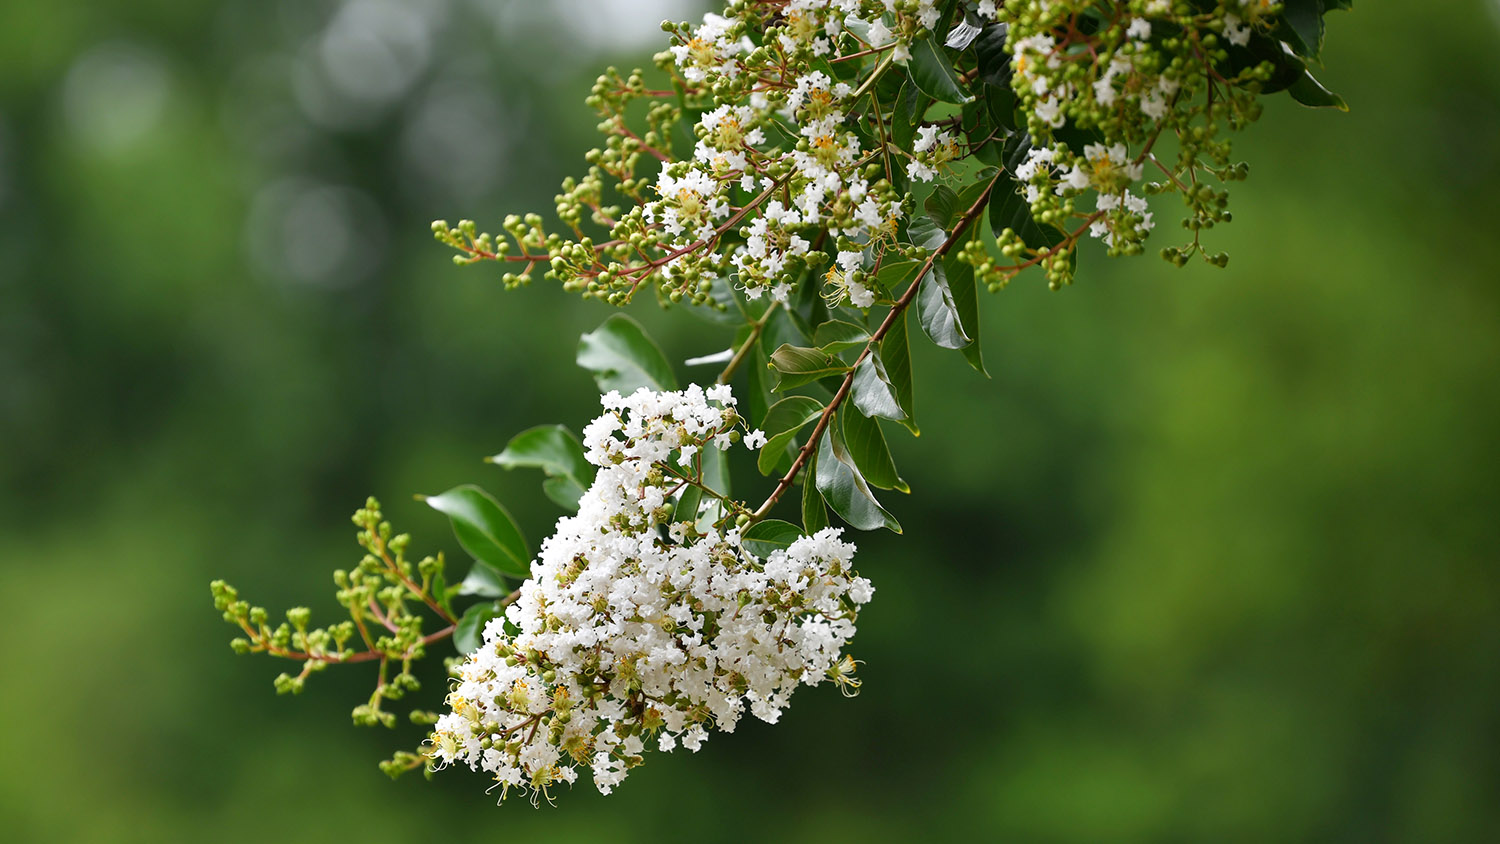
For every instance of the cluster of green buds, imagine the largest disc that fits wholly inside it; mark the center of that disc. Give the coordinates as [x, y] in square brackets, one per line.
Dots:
[789, 134]
[388, 599]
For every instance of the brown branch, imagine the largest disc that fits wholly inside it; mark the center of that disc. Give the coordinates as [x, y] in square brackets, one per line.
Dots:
[898, 311]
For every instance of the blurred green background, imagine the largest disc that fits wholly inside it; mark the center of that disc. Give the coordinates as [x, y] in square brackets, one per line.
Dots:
[1212, 558]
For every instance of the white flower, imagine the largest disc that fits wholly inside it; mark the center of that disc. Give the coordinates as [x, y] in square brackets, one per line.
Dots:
[1235, 30]
[629, 607]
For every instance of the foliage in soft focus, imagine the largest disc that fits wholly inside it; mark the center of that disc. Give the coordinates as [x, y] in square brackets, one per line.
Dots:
[649, 615]
[1225, 537]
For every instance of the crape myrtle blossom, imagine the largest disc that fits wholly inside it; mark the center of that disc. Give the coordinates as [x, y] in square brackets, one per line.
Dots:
[646, 627]
[857, 163]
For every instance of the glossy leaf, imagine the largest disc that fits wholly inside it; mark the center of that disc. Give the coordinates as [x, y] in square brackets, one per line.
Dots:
[993, 56]
[554, 450]
[762, 538]
[925, 232]
[872, 390]
[783, 422]
[757, 372]
[797, 365]
[836, 335]
[965, 290]
[814, 510]
[484, 529]
[937, 311]
[910, 106]
[870, 452]
[468, 635]
[942, 204]
[485, 581]
[1310, 92]
[895, 352]
[845, 489]
[1302, 26]
[931, 69]
[623, 358]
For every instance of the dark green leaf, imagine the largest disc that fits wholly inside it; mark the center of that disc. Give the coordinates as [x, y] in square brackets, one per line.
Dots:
[814, 511]
[485, 581]
[926, 233]
[689, 504]
[554, 450]
[966, 296]
[783, 422]
[845, 489]
[872, 391]
[469, 634]
[895, 351]
[1310, 92]
[623, 358]
[895, 277]
[941, 205]
[910, 108]
[1302, 26]
[836, 335]
[762, 538]
[934, 74]
[484, 529]
[937, 311]
[994, 58]
[797, 365]
[756, 371]
[869, 450]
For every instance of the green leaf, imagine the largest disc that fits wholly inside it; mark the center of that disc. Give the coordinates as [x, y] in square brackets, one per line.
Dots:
[469, 634]
[931, 70]
[554, 450]
[770, 535]
[836, 335]
[623, 358]
[870, 452]
[872, 391]
[911, 106]
[966, 296]
[797, 365]
[689, 503]
[895, 351]
[783, 422]
[941, 206]
[897, 275]
[484, 529]
[845, 489]
[1302, 26]
[1310, 92]
[814, 510]
[715, 465]
[926, 233]
[938, 313]
[994, 58]
[756, 368]
[485, 581]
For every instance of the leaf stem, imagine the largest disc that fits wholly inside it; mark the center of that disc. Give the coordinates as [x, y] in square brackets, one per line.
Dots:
[897, 312]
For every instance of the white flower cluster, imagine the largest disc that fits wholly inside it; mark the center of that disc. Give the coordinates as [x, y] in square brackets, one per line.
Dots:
[931, 150]
[1237, 29]
[636, 628]
[818, 181]
[1108, 170]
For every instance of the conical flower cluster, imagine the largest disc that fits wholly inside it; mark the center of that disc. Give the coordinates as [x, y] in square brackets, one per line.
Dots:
[645, 625]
